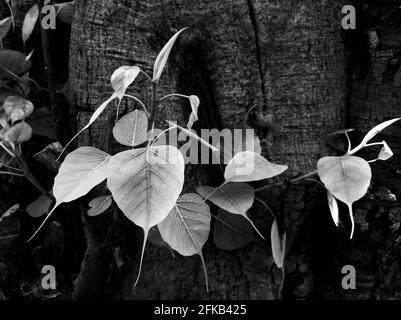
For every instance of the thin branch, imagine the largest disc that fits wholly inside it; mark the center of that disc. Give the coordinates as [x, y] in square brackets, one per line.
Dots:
[139, 101]
[270, 186]
[174, 95]
[11, 174]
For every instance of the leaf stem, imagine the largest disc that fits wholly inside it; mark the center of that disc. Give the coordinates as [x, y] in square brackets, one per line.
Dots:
[174, 95]
[270, 186]
[139, 101]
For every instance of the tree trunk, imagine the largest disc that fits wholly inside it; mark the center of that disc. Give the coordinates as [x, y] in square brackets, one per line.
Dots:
[285, 57]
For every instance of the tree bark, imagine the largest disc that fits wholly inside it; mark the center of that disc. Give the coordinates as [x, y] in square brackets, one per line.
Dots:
[285, 57]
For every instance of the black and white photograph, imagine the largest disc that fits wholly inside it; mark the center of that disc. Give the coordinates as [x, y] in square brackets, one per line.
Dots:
[194, 156]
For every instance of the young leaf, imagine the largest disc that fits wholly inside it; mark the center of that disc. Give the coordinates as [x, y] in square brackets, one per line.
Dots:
[145, 184]
[162, 57]
[39, 207]
[236, 198]
[82, 170]
[249, 166]
[131, 129]
[99, 205]
[4, 27]
[194, 100]
[333, 206]
[187, 227]
[346, 177]
[278, 245]
[373, 132]
[231, 231]
[19, 133]
[122, 78]
[385, 153]
[29, 22]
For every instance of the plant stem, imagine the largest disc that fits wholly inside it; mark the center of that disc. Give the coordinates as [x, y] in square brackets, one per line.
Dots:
[305, 176]
[155, 103]
[49, 75]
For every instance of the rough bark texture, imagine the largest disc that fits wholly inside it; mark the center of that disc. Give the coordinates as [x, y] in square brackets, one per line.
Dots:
[285, 57]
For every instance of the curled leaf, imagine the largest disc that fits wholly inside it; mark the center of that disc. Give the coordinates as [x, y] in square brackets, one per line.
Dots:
[162, 57]
[333, 206]
[278, 245]
[122, 78]
[4, 27]
[194, 100]
[386, 152]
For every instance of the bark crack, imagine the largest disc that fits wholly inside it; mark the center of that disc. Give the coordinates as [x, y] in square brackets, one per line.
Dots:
[256, 31]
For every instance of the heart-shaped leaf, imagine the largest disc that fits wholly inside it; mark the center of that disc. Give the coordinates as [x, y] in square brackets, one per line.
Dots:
[193, 117]
[4, 27]
[250, 166]
[81, 171]
[162, 57]
[187, 227]
[231, 231]
[278, 245]
[29, 22]
[122, 78]
[236, 198]
[132, 129]
[39, 207]
[19, 133]
[99, 205]
[346, 177]
[333, 206]
[377, 129]
[145, 184]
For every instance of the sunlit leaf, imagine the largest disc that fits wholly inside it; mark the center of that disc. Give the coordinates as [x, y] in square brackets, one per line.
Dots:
[278, 245]
[333, 206]
[132, 129]
[39, 207]
[145, 184]
[373, 132]
[162, 57]
[99, 205]
[193, 117]
[187, 227]
[4, 27]
[250, 166]
[347, 178]
[122, 78]
[19, 133]
[236, 198]
[29, 22]
[231, 231]
[81, 171]
[386, 152]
